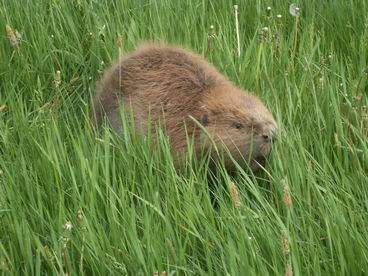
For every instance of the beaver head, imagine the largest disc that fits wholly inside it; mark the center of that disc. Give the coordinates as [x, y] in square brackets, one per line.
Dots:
[238, 123]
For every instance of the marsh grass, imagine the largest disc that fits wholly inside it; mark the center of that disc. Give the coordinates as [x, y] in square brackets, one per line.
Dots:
[130, 212]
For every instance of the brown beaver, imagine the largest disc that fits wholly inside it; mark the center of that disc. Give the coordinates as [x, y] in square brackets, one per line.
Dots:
[178, 87]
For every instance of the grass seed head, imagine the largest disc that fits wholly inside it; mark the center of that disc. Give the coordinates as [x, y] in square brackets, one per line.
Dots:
[336, 137]
[120, 41]
[235, 195]
[12, 38]
[287, 197]
[289, 270]
[285, 244]
[4, 265]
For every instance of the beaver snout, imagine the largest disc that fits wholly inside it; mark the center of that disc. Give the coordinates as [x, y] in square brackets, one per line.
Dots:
[269, 134]
[267, 138]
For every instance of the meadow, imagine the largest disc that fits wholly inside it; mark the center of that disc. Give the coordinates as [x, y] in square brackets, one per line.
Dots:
[76, 201]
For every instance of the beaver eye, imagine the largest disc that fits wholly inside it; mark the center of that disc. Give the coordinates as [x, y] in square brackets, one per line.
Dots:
[238, 125]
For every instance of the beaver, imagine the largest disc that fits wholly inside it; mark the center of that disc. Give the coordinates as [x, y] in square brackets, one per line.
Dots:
[186, 94]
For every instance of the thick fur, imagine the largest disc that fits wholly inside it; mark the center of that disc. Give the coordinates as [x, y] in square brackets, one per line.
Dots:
[174, 85]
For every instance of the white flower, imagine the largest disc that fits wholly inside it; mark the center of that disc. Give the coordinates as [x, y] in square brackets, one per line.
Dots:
[294, 10]
[68, 225]
[64, 239]
[279, 16]
[79, 215]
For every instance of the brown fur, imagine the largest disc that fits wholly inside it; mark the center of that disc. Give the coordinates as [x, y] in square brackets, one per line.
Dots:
[176, 84]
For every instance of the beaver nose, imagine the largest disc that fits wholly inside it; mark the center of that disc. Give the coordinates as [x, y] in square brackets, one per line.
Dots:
[270, 135]
[266, 138]
[269, 138]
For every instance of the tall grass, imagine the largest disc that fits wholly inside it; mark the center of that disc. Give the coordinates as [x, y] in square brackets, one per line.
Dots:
[77, 201]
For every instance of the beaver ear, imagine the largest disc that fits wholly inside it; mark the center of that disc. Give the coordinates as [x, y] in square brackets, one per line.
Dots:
[204, 119]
